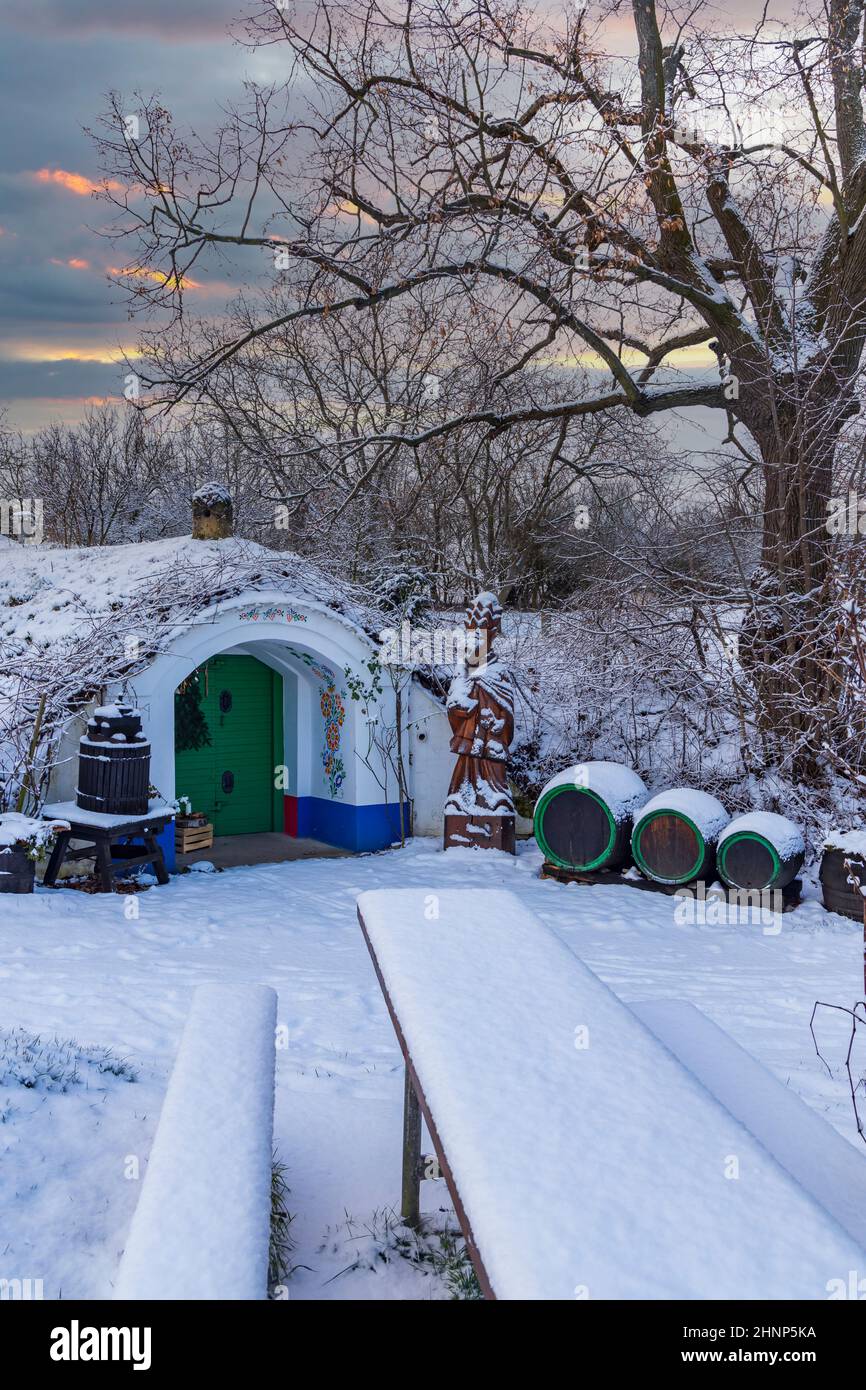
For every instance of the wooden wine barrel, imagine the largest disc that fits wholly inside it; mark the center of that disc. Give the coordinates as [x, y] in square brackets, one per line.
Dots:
[584, 815]
[760, 850]
[17, 871]
[839, 895]
[114, 763]
[674, 837]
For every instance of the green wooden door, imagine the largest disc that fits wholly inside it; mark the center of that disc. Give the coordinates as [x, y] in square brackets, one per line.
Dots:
[232, 778]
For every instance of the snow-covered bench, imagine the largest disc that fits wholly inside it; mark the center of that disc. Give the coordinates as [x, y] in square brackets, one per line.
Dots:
[202, 1225]
[582, 1158]
[807, 1147]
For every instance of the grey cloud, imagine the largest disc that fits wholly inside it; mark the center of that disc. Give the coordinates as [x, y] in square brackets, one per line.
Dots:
[188, 20]
[67, 380]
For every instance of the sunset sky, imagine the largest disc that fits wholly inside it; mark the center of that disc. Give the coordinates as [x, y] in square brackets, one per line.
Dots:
[64, 326]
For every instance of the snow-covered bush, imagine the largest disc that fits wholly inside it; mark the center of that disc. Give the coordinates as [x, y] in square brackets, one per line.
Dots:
[35, 837]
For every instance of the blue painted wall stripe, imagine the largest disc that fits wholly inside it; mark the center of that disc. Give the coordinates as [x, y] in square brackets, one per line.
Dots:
[357, 828]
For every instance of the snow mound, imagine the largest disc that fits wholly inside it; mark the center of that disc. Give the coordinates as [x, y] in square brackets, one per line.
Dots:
[703, 810]
[785, 837]
[621, 790]
[851, 841]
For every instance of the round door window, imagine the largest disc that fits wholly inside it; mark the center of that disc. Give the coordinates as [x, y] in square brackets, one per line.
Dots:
[225, 701]
[228, 781]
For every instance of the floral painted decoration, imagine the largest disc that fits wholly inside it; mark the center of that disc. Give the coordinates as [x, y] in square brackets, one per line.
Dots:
[333, 709]
[271, 615]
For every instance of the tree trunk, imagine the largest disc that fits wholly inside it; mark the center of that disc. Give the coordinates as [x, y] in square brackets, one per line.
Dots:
[786, 641]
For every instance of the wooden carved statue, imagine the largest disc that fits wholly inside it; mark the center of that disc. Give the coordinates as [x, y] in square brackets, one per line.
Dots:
[479, 809]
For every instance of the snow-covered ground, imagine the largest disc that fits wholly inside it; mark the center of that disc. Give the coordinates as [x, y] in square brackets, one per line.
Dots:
[79, 967]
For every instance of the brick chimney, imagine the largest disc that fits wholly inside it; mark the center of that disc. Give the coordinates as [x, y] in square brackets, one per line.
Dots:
[212, 513]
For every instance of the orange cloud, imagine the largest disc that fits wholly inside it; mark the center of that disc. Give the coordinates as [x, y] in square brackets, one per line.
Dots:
[158, 277]
[352, 210]
[74, 262]
[75, 183]
[46, 352]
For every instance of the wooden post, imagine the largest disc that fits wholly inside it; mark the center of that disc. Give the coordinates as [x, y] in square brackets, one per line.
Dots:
[157, 857]
[58, 854]
[410, 1208]
[103, 864]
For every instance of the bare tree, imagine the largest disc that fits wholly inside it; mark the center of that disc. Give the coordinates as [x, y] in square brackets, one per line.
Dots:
[594, 201]
[100, 482]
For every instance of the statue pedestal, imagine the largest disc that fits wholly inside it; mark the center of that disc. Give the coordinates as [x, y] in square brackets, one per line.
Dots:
[485, 832]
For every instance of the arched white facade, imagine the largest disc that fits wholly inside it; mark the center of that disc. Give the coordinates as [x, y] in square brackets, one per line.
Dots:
[344, 795]
[337, 787]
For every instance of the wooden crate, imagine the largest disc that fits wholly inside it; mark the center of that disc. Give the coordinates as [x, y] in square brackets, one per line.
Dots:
[191, 837]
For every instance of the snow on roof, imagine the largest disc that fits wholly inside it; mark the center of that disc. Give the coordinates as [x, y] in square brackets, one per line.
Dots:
[621, 790]
[73, 621]
[785, 837]
[702, 809]
[211, 493]
[80, 584]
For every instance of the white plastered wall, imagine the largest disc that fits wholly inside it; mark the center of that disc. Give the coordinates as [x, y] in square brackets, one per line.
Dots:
[327, 640]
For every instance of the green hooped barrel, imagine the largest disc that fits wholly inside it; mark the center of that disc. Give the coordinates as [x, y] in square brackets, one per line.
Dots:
[675, 834]
[760, 850]
[583, 817]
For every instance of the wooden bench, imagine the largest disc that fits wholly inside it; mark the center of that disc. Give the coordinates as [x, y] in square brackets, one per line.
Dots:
[823, 1162]
[108, 841]
[583, 1160]
[201, 1228]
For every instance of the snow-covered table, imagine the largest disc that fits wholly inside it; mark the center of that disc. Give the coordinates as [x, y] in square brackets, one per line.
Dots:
[583, 1160]
[103, 833]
